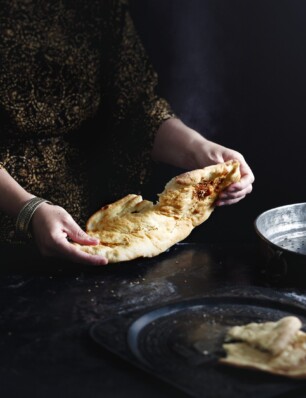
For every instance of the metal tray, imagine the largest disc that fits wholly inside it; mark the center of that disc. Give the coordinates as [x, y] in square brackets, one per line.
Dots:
[181, 343]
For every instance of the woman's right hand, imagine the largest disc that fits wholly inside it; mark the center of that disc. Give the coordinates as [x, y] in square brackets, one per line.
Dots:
[52, 226]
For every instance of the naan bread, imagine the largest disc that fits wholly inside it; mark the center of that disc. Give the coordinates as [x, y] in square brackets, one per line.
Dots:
[269, 336]
[275, 347]
[132, 227]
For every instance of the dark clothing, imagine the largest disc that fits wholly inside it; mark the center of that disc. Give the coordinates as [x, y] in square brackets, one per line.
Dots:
[78, 111]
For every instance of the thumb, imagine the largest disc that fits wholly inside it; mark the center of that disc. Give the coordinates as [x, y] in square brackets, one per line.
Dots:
[76, 234]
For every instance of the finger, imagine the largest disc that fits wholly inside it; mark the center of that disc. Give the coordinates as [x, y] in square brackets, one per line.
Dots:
[226, 194]
[74, 254]
[229, 201]
[246, 173]
[76, 234]
[244, 183]
[247, 177]
[246, 170]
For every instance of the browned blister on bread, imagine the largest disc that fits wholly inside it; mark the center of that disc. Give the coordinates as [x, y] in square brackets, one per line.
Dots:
[132, 227]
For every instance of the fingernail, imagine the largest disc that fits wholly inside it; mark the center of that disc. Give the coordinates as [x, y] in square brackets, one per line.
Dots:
[103, 262]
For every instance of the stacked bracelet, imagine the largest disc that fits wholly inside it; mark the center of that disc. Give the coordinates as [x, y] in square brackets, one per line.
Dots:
[26, 213]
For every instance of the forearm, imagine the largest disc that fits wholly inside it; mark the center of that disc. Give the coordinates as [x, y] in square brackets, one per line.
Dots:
[179, 145]
[12, 195]
[176, 144]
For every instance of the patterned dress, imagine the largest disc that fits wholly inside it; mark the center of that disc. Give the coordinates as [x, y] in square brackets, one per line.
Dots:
[78, 110]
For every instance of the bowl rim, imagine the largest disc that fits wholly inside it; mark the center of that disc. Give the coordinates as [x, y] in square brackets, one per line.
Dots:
[268, 241]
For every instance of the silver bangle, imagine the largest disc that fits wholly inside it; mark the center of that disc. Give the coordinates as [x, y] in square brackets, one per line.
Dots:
[26, 213]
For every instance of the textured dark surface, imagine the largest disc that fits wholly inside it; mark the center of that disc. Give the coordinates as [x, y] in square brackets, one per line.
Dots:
[48, 308]
[169, 342]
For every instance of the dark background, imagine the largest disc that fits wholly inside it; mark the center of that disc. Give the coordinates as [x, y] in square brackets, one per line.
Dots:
[236, 72]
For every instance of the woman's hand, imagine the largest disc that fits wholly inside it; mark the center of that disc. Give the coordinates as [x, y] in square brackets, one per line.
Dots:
[211, 153]
[177, 144]
[52, 226]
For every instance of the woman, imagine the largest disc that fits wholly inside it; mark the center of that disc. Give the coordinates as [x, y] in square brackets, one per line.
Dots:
[80, 121]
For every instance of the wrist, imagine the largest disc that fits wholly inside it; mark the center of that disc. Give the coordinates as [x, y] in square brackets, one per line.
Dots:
[19, 202]
[198, 149]
[12, 195]
[16, 203]
[26, 214]
[177, 144]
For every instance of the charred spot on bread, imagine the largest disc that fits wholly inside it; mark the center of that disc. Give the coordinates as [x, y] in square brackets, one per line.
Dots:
[203, 189]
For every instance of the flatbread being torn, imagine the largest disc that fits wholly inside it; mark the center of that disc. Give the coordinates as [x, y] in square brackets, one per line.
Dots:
[132, 227]
[274, 347]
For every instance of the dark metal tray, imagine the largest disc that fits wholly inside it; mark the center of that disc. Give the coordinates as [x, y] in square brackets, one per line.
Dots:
[167, 341]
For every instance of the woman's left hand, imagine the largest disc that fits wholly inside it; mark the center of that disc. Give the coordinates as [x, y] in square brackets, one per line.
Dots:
[237, 191]
[179, 145]
[211, 153]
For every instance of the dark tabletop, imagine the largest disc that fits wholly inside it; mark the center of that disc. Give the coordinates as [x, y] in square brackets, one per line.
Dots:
[48, 307]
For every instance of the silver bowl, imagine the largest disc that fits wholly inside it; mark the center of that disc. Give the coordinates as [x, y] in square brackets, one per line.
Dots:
[282, 235]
